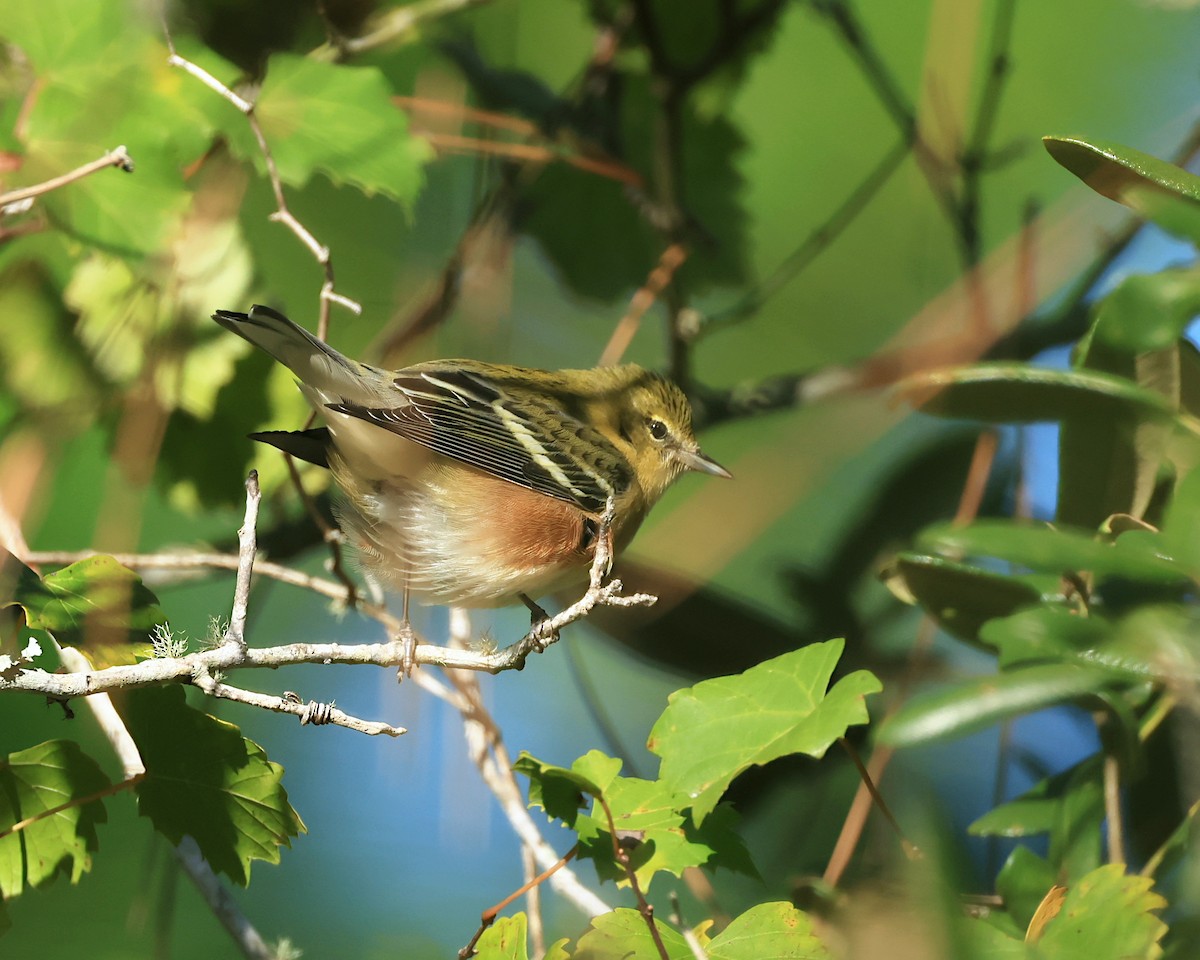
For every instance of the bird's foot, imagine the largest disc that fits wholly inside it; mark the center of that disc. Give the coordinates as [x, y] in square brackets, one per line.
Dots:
[540, 631]
[408, 649]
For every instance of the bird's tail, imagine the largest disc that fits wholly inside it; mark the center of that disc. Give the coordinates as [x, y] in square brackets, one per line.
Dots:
[327, 373]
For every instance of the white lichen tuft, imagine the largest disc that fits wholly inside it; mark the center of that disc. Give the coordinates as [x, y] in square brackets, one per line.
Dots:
[165, 645]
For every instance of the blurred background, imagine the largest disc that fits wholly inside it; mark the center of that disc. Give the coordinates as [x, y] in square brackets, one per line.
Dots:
[861, 193]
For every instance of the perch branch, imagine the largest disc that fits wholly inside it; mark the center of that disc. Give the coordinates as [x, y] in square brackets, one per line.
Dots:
[204, 667]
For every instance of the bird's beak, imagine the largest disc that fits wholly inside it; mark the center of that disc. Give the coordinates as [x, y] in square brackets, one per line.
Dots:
[695, 460]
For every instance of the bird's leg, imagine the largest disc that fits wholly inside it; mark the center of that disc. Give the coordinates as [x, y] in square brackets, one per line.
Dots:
[408, 639]
[537, 618]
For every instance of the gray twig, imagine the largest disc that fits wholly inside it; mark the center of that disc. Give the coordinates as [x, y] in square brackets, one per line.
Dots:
[17, 200]
[247, 544]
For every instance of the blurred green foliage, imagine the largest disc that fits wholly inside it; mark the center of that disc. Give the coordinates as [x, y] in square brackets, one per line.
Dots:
[863, 199]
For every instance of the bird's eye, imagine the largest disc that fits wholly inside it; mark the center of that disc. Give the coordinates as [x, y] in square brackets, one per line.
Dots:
[658, 429]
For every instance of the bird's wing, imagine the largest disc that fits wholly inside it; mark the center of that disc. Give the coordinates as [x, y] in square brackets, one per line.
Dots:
[522, 437]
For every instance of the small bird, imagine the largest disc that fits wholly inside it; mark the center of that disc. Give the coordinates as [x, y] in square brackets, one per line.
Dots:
[480, 484]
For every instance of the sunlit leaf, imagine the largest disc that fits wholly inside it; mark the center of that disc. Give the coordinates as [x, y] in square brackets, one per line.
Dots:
[60, 36]
[648, 812]
[504, 940]
[204, 780]
[560, 792]
[1154, 188]
[1106, 915]
[712, 731]
[339, 120]
[624, 935]
[33, 781]
[45, 370]
[93, 602]
[768, 930]
[647, 815]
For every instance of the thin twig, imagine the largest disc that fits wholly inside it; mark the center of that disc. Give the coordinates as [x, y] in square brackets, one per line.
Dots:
[206, 78]
[856, 818]
[110, 790]
[312, 712]
[235, 633]
[534, 153]
[621, 855]
[118, 157]
[460, 111]
[187, 562]
[535, 924]
[330, 534]
[852, 827]
[689, 935]
[813, 245]
[910, 848]
[282, 214]
[201, 668]
[489, 915]
[627, 327]
[1112, 808]
[221, 902]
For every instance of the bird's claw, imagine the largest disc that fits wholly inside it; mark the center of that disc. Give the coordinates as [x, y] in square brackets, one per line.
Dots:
[541, 633]
[408, 649]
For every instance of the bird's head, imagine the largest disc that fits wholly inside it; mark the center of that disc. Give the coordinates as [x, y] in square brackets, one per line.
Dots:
[657, 423]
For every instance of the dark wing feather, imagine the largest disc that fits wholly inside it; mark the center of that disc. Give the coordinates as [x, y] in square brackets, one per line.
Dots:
[307, 445]
[525, 438]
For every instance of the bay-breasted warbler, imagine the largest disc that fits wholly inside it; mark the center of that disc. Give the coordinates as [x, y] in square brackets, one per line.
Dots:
[476, 483]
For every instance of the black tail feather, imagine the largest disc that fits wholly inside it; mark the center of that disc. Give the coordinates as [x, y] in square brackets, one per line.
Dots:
[311, 446]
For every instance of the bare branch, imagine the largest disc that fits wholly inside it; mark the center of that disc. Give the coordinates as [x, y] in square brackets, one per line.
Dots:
[247, 540]
[221, 902]
[621, 855]
[16, 201]
[186, 563]
[689, 935]
[487, 750]
[281, 214]
[206, 78]
[671, 260]
[311, 712]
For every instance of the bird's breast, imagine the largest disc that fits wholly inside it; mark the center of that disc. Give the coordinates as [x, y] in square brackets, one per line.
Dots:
[454, 534]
